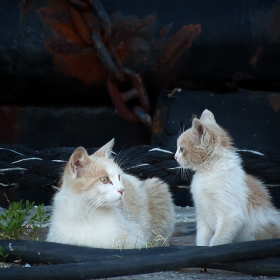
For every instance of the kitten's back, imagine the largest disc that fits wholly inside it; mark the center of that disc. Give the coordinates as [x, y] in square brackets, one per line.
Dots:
[260, 200]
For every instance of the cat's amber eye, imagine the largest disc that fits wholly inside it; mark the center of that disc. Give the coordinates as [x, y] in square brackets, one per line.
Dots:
[104, 180]
[182, 149]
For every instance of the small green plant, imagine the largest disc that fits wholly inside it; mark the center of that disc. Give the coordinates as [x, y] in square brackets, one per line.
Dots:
[18, 223]
[2, 255]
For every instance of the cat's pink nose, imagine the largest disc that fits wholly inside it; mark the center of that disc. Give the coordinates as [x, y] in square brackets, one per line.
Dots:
[121, 191]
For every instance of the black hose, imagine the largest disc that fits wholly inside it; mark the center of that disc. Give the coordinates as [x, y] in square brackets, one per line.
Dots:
[56, 253]
[245, 257]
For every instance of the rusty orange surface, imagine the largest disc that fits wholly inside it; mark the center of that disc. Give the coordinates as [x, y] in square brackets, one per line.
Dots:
[71, 44]
[75, 56]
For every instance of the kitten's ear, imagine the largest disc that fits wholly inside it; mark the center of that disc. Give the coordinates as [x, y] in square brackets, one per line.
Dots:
[106, 150]
[207, 115]
[78, 161]
[202, 132]
[198, 127]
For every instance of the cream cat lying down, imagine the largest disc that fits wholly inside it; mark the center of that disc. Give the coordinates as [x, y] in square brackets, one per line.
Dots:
[98, 205]
[231, 206]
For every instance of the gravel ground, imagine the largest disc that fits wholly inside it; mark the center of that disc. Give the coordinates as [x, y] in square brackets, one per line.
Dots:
[184, 235]
[193, 273]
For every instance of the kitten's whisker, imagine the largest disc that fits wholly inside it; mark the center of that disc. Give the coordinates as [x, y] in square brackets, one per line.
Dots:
[188, 174]
[182, 126]
[183, 173]
[179, 129]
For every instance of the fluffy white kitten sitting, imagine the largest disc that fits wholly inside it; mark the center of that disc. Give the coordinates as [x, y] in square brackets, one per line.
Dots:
[98, 205]
[231, 206]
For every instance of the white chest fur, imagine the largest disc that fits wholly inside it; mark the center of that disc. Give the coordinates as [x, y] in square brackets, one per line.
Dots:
[104, 228]
[220, 197]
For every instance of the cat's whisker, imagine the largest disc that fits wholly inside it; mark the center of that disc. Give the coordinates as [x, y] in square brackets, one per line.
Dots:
[93, 205]
[127, 171]
[96, 206]
[183, 126]
[186, 121]
[188, 174]
[121, 162]
[180, 131]
[180, 171]
[183, 173]
[121, 156]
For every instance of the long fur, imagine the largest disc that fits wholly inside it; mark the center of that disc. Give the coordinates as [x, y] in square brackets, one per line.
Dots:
[231, 206]
[124, 212]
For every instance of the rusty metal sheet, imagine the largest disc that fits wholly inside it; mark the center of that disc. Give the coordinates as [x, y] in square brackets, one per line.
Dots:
[46, 54]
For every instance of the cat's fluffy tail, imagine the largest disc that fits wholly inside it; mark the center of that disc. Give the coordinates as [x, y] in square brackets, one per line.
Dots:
[162, 211]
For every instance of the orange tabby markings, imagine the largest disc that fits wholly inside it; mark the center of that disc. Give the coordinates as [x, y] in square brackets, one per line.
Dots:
[98, 205]
[231, 206]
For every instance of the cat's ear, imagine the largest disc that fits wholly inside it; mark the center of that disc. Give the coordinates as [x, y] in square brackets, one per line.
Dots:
[202, 133]
[207, 115]
[198, 129]
[78, 161]
[106, 150]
